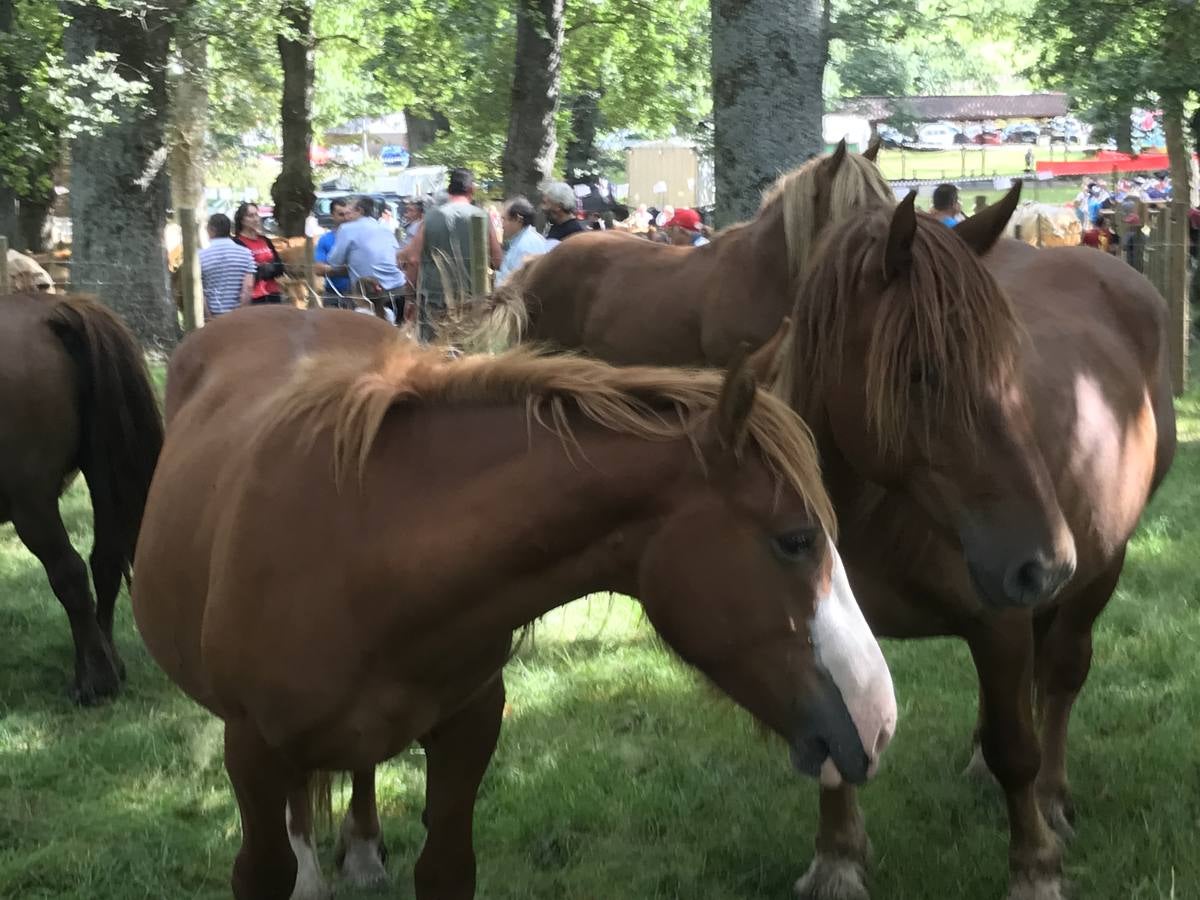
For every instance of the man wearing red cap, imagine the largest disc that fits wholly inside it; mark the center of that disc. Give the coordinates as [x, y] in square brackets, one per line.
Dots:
[684, 229]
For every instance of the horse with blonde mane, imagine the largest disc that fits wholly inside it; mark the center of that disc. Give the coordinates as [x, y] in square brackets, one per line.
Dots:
[992, 420]
[335, 647]
[625, 299]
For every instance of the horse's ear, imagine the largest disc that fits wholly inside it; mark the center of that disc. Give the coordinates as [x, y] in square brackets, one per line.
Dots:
[983, 229]
[872, 151]
[838, 156]
[736, 401]
[898, 256]
[765, 361]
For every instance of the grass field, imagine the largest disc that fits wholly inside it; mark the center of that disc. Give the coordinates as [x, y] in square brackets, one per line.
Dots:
[618, 774]
[1004, 159]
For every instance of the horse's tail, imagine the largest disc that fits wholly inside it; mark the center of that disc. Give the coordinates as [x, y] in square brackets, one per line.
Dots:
[121, 431]
[505, 319]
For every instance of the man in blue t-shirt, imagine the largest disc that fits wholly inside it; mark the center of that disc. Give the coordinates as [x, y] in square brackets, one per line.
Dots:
[335, 285]
[946, 208]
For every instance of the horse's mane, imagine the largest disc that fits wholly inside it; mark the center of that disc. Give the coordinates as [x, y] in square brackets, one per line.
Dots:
[811, 200]
[337, 392]
[946, 316]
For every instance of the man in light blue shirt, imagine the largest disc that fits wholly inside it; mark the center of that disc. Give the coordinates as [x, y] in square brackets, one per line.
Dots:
[521, 235]
[366, 251]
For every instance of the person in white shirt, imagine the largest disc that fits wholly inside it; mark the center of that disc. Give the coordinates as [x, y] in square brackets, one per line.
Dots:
[521, 236]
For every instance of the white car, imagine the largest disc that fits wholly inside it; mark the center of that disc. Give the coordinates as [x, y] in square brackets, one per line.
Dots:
[937, 134]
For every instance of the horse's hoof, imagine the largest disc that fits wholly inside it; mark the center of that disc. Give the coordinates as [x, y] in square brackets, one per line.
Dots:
[95, 687]
[361, 860]
[833, 878]
[1043, 888]
[977, 769]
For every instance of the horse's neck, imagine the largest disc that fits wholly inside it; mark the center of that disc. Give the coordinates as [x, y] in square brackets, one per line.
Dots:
[544, 523]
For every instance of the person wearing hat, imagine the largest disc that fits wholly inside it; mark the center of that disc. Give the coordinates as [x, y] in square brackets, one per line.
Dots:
[684, 228]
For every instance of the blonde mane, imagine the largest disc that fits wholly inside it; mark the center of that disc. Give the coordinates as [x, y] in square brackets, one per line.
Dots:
[812, 199]
[946, 316]
[337, 393]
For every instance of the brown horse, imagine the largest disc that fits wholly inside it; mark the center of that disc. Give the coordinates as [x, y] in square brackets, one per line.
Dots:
[337, 646]
[992, 420]
[75, 396]
[626, 300]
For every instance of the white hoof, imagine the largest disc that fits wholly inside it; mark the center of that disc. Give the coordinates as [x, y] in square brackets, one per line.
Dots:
[977, 769]
[362, 861]
[833, 878]
[1037, 889]
[309, 883]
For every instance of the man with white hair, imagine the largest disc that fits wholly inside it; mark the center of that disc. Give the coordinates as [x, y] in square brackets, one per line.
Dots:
[559, 205]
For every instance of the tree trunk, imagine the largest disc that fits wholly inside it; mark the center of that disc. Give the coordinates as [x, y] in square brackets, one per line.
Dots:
[1124, 131]
[1178, 151]
[118, 178]
[532, 146]
[424, 130]
[188, 123]
[292, 191]
[581, 156]
[768, 65]
[33, 225]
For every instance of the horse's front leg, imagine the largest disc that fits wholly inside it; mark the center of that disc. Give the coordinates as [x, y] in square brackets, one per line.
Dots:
[1003, 650]
[360, 853]
[457, 753]
[839, 870]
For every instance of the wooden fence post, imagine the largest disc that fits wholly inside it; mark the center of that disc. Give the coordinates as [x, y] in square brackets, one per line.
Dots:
[479, 256]
[189, 271]
[5, 284]
[1177, 299]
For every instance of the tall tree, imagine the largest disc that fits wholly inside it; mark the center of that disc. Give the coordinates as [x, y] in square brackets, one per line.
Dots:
[188, 121]
[118, 175]
[33, 121]
[768, 64]
[292, 191]
[1148, 50]
[532, 144]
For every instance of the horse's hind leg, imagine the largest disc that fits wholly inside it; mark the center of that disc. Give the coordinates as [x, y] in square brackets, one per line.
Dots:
[457, 753]
[1063, 661]
[838, 872]
[41, 529]
[106, 576]
[266, 866]
[360, 852]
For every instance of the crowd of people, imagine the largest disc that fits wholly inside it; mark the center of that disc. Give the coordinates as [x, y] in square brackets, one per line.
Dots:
[412, 271]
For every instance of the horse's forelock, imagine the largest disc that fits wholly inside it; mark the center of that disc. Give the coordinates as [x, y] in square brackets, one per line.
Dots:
[946, 315]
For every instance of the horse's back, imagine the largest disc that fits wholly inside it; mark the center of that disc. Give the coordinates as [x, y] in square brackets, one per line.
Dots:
[39, 419]
[219, 385]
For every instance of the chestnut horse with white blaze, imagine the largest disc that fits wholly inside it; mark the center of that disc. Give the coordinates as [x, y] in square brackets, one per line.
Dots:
[335, 647]
[992, 420]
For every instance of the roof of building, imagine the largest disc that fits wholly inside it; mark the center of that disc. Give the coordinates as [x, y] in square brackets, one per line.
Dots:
[970, 108]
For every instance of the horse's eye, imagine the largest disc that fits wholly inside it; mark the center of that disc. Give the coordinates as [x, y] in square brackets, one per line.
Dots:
[793, 546]
[923, 375]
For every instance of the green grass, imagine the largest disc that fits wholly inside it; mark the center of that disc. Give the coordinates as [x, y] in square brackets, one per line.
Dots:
[977, 161]
[618, 774]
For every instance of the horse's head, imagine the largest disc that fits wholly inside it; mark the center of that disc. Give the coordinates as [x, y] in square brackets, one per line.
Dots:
[741, 577]
[906, 357]
[823, 191]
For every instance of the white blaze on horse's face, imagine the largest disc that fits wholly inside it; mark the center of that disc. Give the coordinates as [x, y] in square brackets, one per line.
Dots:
[845, 646]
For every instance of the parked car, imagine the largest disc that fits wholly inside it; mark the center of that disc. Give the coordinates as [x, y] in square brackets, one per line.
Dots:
[989, 138]
[893, 138]
[937, 134]
[1023, 133]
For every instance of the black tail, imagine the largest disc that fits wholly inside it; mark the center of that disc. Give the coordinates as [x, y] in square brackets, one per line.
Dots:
[121, 431]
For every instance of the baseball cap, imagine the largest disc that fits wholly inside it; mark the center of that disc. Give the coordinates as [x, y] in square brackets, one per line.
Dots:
[687, 219]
